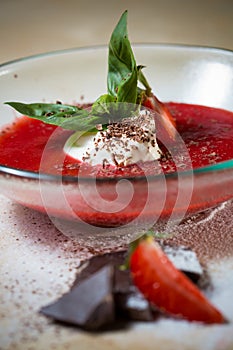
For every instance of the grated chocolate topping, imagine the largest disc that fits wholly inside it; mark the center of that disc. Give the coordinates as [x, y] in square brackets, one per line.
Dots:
[117, 136]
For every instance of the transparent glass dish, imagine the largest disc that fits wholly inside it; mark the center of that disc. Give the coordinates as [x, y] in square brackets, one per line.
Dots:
[177, 73]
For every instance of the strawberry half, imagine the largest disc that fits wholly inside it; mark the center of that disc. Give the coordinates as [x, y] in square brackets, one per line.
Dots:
[166, 126]
[168, 288]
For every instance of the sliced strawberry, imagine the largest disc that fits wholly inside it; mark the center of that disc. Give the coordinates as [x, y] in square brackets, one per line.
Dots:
[166, 127]
[168, 288]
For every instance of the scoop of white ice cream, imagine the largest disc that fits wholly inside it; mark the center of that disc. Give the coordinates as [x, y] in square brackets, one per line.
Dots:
[121, 144]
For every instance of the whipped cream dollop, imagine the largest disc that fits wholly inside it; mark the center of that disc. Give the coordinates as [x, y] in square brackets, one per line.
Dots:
[123, 143]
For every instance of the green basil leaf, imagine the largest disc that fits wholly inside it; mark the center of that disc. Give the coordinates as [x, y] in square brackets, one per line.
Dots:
[45, 110]
[123, 76]
[66, 116]
[86, 123]
[100, 106]
[122, 69]
[72, 117]
[127, 90]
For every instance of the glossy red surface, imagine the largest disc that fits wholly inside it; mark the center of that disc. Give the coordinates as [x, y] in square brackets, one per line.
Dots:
[207, 134]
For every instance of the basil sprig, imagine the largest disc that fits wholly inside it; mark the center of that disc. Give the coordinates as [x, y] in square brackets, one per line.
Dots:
[123, 77]
[122, 68]
[67, 116]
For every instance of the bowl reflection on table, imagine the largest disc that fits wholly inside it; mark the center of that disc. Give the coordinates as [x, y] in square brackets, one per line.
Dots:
[176, 73]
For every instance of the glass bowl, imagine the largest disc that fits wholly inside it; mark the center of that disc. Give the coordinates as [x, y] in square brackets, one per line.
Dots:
[177, 73]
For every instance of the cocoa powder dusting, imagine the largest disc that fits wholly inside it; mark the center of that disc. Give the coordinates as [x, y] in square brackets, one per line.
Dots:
[209, 233]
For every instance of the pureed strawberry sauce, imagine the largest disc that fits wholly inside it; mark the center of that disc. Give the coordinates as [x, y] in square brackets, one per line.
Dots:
[207, 133]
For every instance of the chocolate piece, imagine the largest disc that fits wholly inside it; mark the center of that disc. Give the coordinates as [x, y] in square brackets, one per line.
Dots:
[185, 260]
[122, 280]
[130, 303]
[87, 268]
[89, 304]
[103, 293]
[133, 306]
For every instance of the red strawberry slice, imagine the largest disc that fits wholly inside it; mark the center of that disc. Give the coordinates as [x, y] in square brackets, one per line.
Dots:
[168, 288]
[166, 126]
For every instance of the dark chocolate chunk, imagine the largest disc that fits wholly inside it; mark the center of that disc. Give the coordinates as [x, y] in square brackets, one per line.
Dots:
[130, 303]
[89, 304]
[133, 306]
[185, 260]
[122, 279]
[103, 293]
[87, 268]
